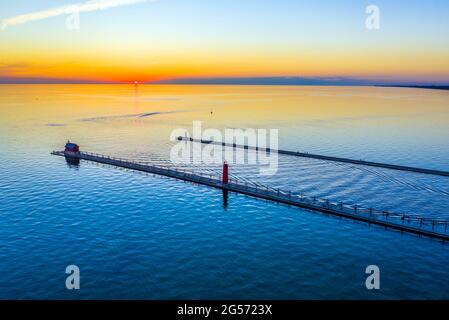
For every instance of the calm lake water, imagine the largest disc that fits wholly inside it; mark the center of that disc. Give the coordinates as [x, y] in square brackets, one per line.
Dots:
[137, 236]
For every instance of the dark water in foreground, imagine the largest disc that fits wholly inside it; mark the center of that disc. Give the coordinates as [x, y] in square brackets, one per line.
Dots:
[136, 236]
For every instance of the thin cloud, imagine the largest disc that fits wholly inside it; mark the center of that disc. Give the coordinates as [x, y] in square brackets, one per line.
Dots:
[13, 67]
[88, 6]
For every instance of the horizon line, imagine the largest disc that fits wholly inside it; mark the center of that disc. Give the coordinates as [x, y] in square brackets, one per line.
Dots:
[262, 81]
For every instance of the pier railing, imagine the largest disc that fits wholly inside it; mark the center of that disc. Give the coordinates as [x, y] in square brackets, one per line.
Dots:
[429, 223]
[410, 222]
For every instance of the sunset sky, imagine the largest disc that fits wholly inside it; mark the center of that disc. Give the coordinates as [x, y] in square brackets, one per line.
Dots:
[123, 41]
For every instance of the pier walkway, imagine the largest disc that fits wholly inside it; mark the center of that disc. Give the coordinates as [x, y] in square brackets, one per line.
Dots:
[323, 157]
[422, 226]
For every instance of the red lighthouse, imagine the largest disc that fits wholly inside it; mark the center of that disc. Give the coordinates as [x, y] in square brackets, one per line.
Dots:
[225, 173]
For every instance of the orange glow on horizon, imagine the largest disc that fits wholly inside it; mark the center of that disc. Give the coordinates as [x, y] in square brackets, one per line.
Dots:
[151, 67]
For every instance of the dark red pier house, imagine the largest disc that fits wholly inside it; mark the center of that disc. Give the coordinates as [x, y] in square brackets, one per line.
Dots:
[71, 148]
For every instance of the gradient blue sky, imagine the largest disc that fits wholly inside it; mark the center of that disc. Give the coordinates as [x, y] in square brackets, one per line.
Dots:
[226, 38]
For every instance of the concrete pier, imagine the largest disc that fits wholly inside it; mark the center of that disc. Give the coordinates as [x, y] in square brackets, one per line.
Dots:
[323, 157]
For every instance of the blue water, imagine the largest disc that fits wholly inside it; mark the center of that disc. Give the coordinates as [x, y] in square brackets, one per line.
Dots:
[138, 236]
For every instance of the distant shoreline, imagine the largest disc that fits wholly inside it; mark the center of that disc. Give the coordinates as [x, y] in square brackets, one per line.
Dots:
[415, 87]
[429, 87]
[243, 81]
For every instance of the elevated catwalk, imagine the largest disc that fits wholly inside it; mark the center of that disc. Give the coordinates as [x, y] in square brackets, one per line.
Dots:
[434, 228]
